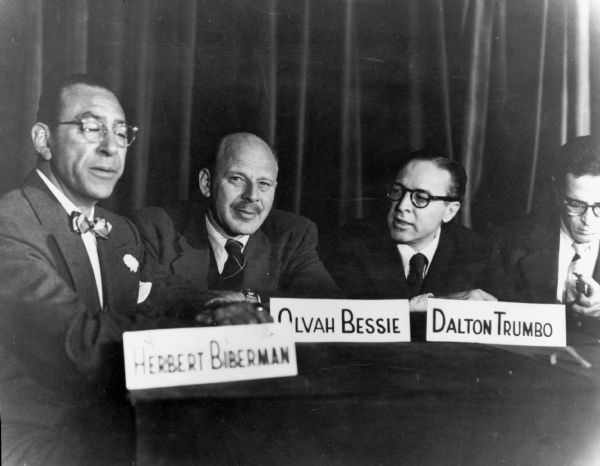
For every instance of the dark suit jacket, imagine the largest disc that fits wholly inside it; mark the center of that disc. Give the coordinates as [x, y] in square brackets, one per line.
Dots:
[281, 256]
[365, 263]
[60, 353]
[530, 255]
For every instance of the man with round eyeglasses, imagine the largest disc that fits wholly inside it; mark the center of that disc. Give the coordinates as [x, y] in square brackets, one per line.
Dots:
[418, 251]
[554, 257]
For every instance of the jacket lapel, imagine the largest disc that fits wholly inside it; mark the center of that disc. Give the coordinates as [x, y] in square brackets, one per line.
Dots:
[539, 266]
[120, 284]
[54, 218]
[194, 259]
[384, 266]
[439, 275]
[258, 252]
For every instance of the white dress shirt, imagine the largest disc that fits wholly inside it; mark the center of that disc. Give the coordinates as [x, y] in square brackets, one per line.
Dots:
[406, 252]
[88, 238]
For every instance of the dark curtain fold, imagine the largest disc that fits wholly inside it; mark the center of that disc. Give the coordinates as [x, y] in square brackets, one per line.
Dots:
[339, 87]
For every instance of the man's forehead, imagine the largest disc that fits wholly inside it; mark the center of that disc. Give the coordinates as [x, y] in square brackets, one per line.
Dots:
[584, 185]
[424, 173]
[250, 156]
[82, 98]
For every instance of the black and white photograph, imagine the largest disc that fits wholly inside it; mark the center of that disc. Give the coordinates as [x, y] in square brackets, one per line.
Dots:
[300, 232]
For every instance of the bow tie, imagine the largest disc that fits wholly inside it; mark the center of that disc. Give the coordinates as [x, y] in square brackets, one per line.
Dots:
[80, 224]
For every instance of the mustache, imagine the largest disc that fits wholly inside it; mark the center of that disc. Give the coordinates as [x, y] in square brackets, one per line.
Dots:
[249, 207]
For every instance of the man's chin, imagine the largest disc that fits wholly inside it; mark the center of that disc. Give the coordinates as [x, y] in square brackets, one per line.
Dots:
[586, 238]
[244, 227]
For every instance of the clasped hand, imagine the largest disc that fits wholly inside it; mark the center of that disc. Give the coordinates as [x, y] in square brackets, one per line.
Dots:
[419, 303]
[231, 308]
[588, 304]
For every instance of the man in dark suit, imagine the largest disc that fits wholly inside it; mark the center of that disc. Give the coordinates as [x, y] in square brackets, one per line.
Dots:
[553, 257]
[235, 241]
[417, 253]
[73, 278]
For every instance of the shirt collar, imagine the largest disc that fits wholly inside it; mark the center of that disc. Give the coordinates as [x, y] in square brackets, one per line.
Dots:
[565, 238]
[406, 251]
[217, 239]
[60, 196]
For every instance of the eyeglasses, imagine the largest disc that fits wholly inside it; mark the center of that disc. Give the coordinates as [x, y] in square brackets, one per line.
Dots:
[95, 131]
[576, 208]
[419, 198]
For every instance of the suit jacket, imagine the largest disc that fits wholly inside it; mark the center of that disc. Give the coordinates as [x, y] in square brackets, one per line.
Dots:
[366, 264]
[61, 363]
[281, 255]
[530, 251]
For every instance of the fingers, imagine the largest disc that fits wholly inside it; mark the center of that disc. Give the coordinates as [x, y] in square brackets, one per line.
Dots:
[585, 309]
[225, 297]
[475, 295]
[418, 303]
[484, 296]
[238, 313]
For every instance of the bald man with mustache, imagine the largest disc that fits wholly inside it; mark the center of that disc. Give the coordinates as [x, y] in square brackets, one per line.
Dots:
[235, 240]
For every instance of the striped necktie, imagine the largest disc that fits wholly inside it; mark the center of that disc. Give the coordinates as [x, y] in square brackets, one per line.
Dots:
[235, 263]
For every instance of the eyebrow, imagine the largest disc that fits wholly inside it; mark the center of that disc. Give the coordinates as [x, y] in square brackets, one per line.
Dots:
[396, 183]
[572, 199]
[89, 113]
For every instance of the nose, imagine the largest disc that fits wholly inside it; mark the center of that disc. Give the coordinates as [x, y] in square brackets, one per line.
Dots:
[108, 145]
[250, 192]
[586, 217]
[404, 203]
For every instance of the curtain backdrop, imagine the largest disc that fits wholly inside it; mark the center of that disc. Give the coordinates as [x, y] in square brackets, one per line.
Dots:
[339, 87]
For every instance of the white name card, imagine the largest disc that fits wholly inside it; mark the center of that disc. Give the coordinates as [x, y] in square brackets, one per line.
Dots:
[189, 356]
[344, 320]
[496, 322]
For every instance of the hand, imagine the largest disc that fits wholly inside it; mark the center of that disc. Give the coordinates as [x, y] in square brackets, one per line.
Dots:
[474, 295]
[224, 297]
[419, 303]
[588, 305]
[236, 313]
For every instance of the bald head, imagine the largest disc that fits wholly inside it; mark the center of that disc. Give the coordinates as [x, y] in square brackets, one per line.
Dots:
[240, 184]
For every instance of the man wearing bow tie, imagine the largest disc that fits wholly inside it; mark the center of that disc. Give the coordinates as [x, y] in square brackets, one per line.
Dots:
[73, 278]
[552, 257]
[235, 240]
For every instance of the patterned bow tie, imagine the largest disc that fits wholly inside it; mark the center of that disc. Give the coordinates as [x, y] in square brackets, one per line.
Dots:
[80, 224]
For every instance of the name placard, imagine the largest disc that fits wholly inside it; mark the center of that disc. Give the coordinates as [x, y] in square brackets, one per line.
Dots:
[344, 320]
[496, 322]
[190, 356]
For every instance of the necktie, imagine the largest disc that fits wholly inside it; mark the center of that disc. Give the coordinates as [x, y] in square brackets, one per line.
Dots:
[80, 224]
[574, 268]
[234, 264]
[416, 273]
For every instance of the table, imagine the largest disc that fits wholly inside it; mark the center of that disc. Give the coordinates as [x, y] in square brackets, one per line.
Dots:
[399, 403]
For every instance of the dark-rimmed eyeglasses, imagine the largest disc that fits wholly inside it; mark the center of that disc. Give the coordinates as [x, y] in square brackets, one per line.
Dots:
[95, 131]
[419, 198]
[575, 208]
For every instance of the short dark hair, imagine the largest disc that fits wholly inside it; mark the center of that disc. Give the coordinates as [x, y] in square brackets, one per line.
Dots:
[50, 104]
[458, 176]
[579, 156]
[232, 143]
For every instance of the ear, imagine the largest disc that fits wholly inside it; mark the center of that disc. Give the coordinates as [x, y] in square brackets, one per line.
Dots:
[204, 182]
[40, 135]
[451, 210]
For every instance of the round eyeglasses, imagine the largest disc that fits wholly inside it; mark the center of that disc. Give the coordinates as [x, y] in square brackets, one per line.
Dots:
[419, 198]
[575, 208]
[95, 131]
